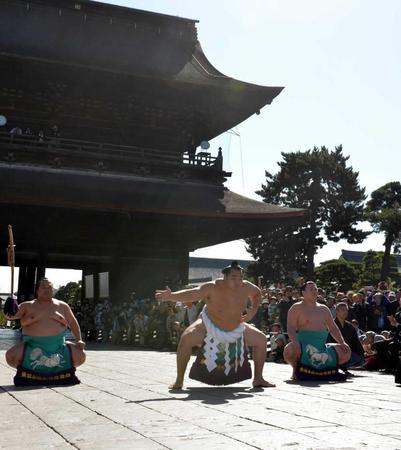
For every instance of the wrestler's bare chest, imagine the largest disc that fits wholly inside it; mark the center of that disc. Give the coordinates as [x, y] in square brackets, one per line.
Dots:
[311, 318]
[43, 319]
[222, 300]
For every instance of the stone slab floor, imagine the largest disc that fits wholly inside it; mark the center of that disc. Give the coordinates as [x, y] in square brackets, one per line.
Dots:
[123, 403]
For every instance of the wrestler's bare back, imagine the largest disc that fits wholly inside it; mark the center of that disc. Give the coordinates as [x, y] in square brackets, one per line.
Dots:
[43, 318]
[226, 306]
[310, 317]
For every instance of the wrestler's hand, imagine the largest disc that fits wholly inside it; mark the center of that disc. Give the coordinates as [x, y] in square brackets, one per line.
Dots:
[346, 348]
[163, 295]
[80, 344]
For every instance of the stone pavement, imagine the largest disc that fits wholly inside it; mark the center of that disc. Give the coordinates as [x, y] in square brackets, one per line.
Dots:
[123, 403]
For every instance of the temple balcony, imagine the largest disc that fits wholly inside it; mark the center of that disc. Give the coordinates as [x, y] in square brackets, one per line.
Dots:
[106, 158]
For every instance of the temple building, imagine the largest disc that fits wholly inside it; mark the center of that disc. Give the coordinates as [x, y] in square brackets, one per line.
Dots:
[102, 109]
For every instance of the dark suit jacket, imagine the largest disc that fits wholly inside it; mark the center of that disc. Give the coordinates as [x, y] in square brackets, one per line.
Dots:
[350, 336]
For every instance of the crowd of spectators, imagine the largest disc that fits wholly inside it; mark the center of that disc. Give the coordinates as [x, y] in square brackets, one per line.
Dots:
[369, 319]
[40, 134]
[140, 322]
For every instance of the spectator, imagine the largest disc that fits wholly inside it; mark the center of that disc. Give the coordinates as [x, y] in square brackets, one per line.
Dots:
[330, 303]
[16, 131]
[277, 344]
[179, 313]
[190, 313]
[321, 296]
[376, 351]
[355, 324]
[140, 324]
[265, 313]
[350, 337]
[272, 311]
[55, 131]
[359, 310]
[350, 295]
[377, 314]
[284, 306]
[392, 303]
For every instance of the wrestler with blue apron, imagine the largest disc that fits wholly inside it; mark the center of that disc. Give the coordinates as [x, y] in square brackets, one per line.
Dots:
[308, 325]
[44, 357]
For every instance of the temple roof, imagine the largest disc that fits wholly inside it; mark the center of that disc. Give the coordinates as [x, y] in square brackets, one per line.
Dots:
[356, 257]
[131, 76]
[237, 205]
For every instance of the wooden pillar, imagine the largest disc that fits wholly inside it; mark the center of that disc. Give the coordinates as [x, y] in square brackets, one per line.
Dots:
[21, 283]
[41, 268]
[30, 282]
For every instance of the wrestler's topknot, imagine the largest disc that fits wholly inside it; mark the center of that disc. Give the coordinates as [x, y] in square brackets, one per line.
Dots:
[234, 265]
[303, 287]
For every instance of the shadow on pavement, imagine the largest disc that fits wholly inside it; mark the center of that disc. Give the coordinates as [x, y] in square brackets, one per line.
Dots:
[316, 383]
[6, 388]
[207, 395]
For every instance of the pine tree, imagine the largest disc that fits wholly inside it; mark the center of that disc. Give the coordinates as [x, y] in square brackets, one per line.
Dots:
[320, 181]
[384, 213]
[336, 274]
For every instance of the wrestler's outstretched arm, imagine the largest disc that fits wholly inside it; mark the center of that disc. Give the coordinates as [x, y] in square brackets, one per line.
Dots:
[186, 295]
[20, 313]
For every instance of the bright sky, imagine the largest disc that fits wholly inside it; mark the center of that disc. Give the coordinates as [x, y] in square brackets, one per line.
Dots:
[340, 64]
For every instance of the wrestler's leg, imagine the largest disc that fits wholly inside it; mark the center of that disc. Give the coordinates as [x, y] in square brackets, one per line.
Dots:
[191, 337]
[257, 340]
[342, 355]
[15, 354]
[78, 355]
[291, 356]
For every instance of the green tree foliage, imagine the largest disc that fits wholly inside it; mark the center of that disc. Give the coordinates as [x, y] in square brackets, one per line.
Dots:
[320, 181]
[279, 255]
[336, 274]
[383, 211]
[370, 271]
[70, 293]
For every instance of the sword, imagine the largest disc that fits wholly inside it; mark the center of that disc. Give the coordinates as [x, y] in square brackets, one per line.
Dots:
[11, 256]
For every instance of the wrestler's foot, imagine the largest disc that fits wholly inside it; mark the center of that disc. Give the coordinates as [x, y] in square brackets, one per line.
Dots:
[176, 386]
[262, 383]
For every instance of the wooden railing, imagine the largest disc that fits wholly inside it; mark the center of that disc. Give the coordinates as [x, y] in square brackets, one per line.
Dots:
[60, 152]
